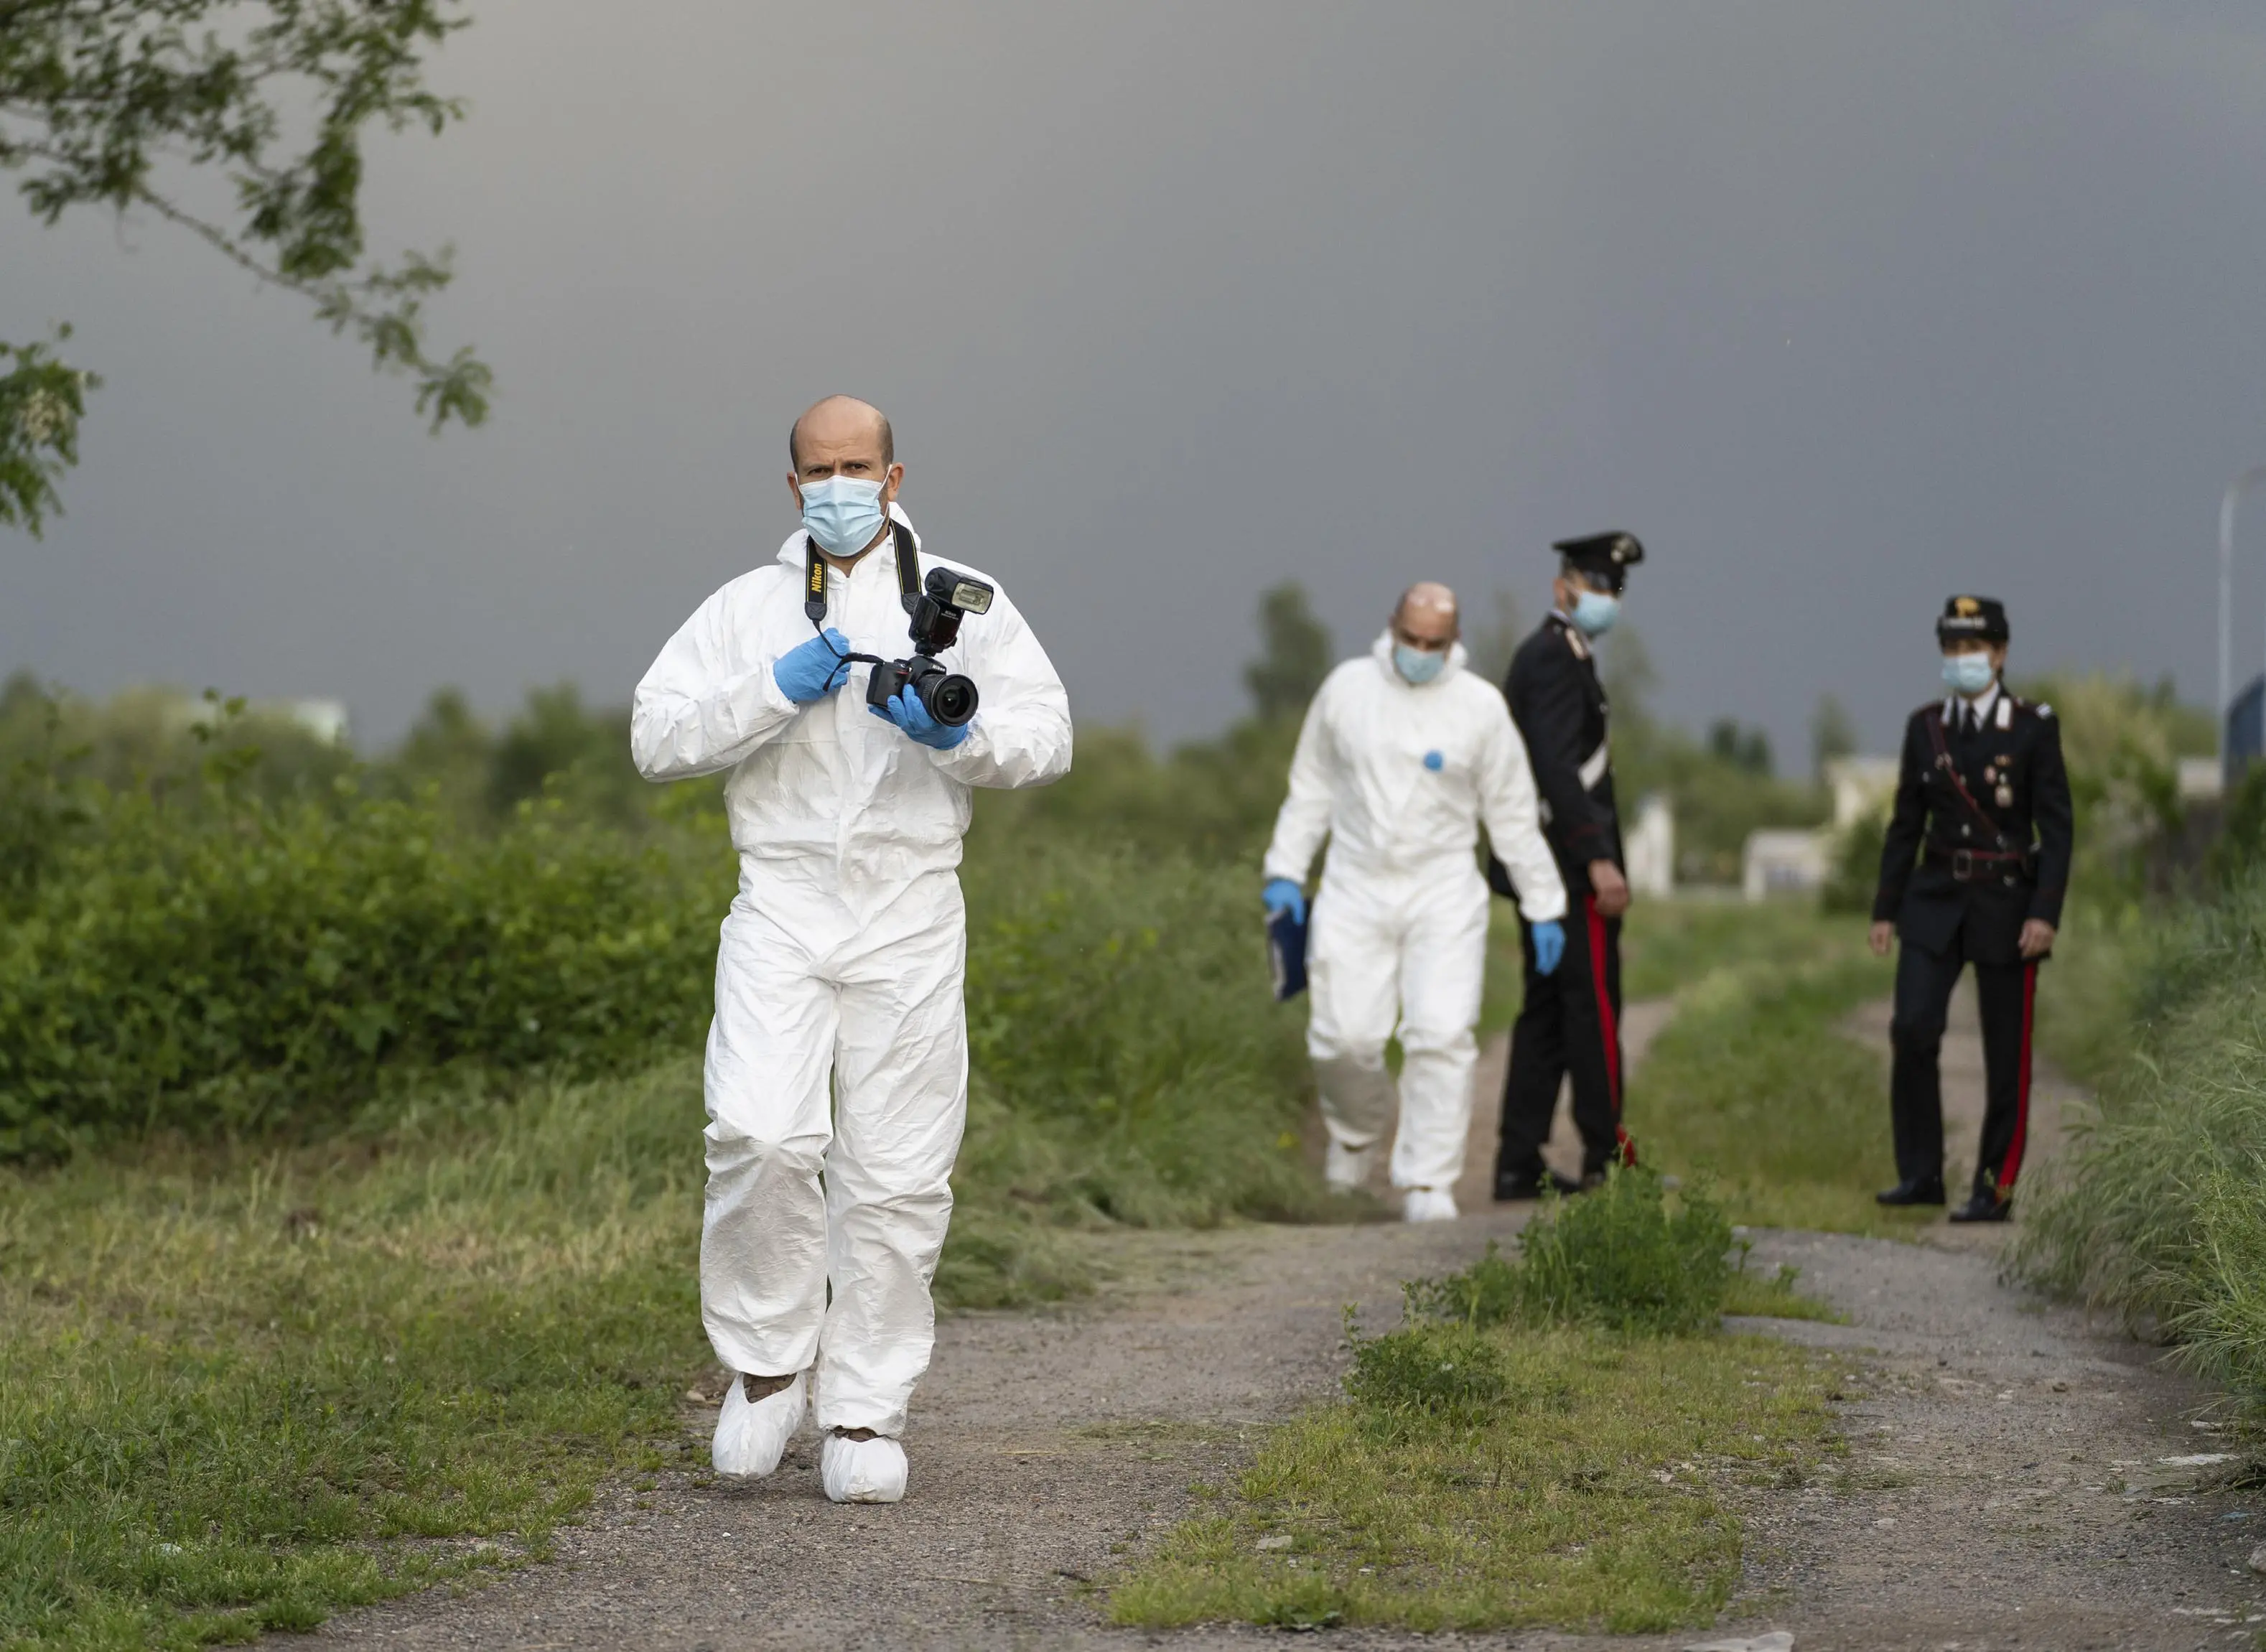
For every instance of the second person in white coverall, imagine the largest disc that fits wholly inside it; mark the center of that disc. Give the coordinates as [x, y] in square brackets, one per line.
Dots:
[836, 1076]
[1403, 756]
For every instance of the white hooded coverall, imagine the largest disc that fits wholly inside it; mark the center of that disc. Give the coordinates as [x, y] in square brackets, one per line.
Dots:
[842, 960]
[1399, 777]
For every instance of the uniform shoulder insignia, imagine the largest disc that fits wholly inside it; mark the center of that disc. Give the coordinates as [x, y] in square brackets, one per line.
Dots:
[2042, 710]
[1574, 641]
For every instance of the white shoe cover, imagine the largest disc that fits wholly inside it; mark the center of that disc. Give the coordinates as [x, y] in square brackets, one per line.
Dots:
[1428, 1204]
[862, 1470]
[752, 1436]
[1345, 1167]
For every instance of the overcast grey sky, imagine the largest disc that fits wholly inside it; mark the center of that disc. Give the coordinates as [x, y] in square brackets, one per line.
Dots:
[1841, 305]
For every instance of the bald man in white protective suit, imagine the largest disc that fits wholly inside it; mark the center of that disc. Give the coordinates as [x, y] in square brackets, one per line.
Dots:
[836, 1078]
[1404, 755]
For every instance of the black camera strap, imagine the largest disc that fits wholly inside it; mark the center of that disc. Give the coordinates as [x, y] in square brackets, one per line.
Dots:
[814, 584]
[813, 573]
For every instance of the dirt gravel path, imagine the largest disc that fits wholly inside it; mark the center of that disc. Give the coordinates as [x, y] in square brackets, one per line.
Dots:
[2003, 1486]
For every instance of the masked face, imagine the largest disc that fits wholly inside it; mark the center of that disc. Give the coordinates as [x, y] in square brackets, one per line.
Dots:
[1595, 611]
[1969, 674]
[843, 513]
[1418, 666]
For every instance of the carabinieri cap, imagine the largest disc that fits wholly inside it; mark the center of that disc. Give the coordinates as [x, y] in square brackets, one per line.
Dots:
[1983, 616]
[1611, 554]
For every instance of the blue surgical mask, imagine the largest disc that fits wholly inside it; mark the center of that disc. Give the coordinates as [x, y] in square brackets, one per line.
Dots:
[843, 513]
[1595, 611]
[1416, 665]
[1967, 674]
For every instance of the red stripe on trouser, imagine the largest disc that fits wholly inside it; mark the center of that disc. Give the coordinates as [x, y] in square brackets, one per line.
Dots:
[1608, 1026]
[2012, 1165]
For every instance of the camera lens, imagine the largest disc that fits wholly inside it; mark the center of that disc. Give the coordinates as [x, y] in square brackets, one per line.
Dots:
[951, 698]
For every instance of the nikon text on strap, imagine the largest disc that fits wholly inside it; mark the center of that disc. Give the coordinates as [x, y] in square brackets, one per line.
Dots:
[813, 573]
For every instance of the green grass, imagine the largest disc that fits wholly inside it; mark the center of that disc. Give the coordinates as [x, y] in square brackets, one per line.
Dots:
[243, 1386]
[238, 1395]
[1756, 1086]
[239, 1391]
[1667, 945]
[1600, 1490]
[2157, 1209]
[2091, 988]
[1553, 1439]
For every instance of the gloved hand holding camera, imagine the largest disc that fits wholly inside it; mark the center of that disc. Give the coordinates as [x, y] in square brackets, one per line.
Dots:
[811, 672]
[931, 704]
[907, 713]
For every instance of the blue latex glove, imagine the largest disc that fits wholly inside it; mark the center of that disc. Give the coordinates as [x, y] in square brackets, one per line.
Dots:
[813, 670]
[1283, 895]
[908, 714]
[1549, 944]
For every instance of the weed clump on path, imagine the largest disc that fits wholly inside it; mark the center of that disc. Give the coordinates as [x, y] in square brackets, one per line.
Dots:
[1557, 1439]
[1624, 1257]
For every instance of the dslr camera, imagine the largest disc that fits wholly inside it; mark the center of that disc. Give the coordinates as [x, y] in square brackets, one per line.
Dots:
[947, 594]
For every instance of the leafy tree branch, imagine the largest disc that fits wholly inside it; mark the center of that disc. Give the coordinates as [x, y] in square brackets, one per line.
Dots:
[41, 401]
[110, 102]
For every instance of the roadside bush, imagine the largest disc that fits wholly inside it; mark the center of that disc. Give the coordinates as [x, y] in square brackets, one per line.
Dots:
[2122, 743]
[160, 738]
[1855, 874]
[220, 964]
[265, 964]
[1121, 1024]
[2241, 846]
[1621, 1257]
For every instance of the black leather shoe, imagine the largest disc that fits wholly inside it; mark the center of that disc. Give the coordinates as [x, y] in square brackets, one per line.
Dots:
[1510, 1188]
[1927, 1192]
[1985, 1207]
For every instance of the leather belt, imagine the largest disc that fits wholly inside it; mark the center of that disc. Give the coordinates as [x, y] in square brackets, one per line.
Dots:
[1971, 866]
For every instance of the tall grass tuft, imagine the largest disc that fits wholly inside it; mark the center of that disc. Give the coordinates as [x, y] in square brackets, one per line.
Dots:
[2159, 1211]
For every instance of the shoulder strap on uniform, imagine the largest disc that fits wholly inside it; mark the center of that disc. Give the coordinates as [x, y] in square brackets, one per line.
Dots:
[1951, 769]
[813, 573]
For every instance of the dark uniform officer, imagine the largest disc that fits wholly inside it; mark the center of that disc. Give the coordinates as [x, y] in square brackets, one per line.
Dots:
[1571, 1020]
[1973, 871]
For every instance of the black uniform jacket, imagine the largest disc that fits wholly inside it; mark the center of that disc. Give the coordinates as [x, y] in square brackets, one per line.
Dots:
[1560, 707]
[1988, 859]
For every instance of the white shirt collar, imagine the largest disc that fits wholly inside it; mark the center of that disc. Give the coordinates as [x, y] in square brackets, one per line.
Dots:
[1955, 708]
